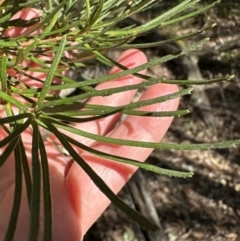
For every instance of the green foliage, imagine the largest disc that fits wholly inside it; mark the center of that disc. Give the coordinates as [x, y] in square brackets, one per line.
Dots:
[86, 30]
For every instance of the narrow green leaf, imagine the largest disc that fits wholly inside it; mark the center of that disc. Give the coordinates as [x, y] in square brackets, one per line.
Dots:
[41, 62]
[3, 73]
[18, 59]
[87, 5]
[17, 196]
[46, 192]
[78, 105]
[101, 114]
[5, 18]
[8, 44]
[52, 22]
[106, 110]
[31, 47]
[148, 102]
[93, 93]
[190, 15]
[177, 113]
[156, 22]
[9, 119]
[26, 171]
[13, 101]
[197, 82]
[94, 17]
[154, 145]
[8, 151]
[143, 165]
[170, 40]
[51, 73]
[9, 112]
[36, 186]
[15, 133]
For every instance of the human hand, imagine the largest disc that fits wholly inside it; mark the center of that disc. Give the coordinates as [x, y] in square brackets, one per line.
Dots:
[77, 202]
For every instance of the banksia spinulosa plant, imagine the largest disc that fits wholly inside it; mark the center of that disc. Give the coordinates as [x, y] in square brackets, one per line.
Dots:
[52, 144]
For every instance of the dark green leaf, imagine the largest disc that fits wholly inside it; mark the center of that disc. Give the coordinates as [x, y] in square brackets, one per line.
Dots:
[15, 133]
[51, 73]
[17, 196]
[36, 186]
[46, 192]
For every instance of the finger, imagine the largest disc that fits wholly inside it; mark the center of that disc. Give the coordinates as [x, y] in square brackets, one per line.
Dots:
[26, 14]
[130, 59]
[86, 198]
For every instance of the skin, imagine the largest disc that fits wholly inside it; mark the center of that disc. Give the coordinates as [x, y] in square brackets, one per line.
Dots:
[77, 202]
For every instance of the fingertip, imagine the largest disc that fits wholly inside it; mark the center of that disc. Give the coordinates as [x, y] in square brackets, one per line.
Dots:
[27, 14]
[162, 89]
[130, 59]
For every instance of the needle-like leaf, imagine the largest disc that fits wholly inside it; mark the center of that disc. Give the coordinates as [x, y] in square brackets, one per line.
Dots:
[46, 192]
[51, 73]
[17, 195]
[36, 186]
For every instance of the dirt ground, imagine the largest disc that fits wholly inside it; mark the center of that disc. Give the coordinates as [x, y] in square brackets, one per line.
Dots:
[206, 206]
